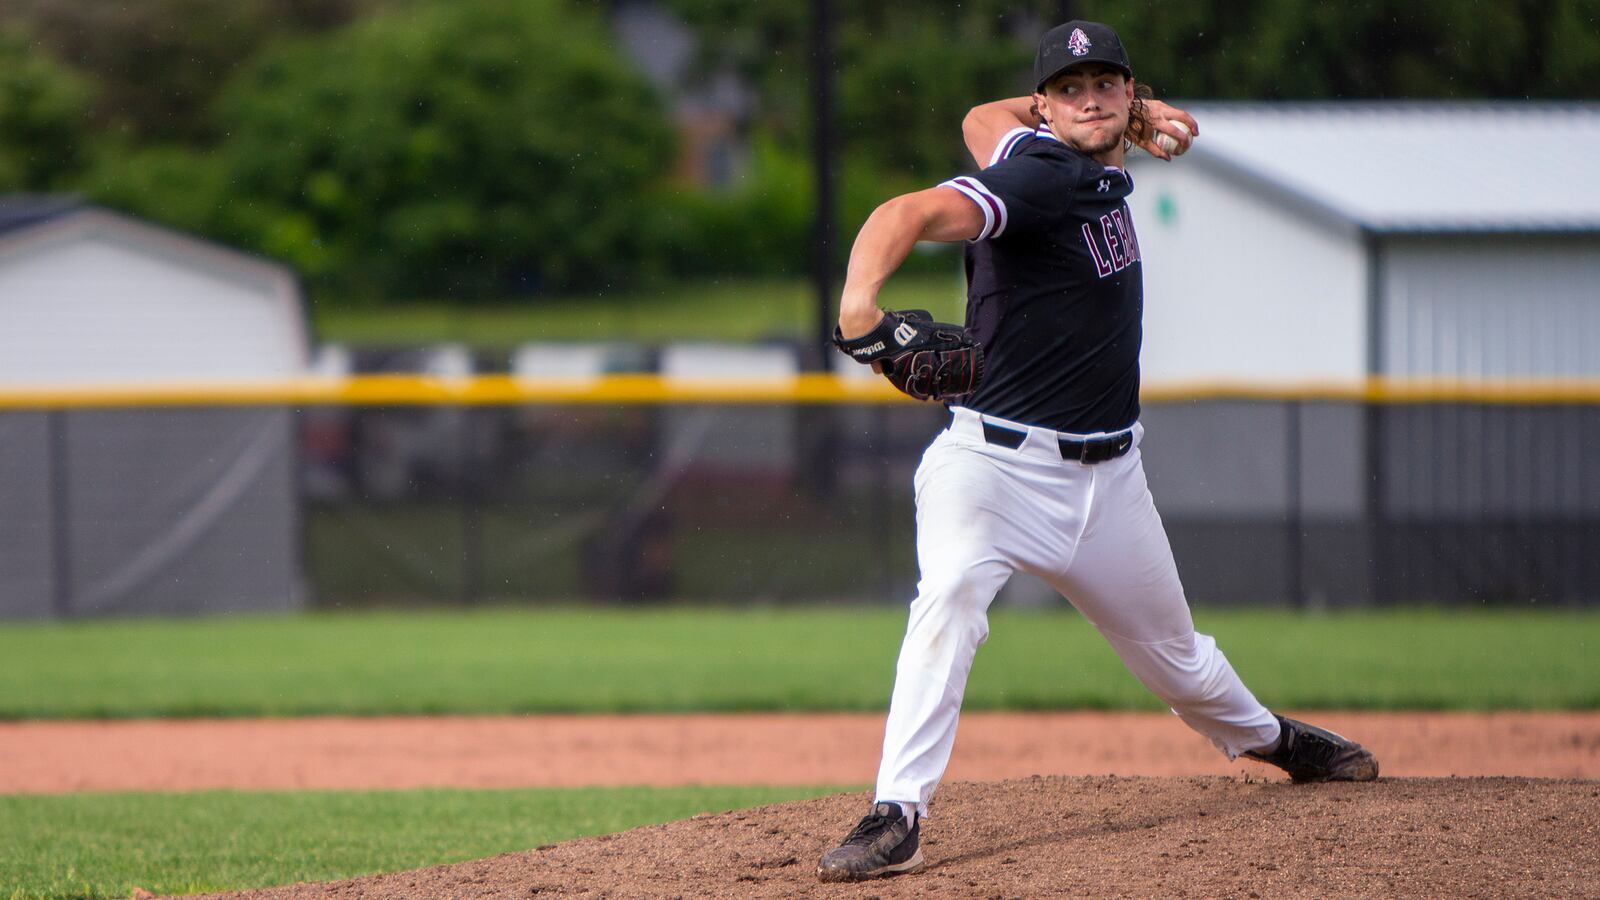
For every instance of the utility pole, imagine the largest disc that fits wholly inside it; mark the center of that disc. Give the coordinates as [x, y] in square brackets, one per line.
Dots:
[819, 445]
[824, 153]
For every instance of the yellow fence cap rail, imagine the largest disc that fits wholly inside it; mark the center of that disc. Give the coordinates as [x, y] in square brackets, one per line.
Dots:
[479, 390]
[808, 388]
[1383, 390]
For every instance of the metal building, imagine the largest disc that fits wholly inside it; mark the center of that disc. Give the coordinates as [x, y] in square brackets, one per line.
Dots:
[1332, 241]
[1318, 245]
[120, 512]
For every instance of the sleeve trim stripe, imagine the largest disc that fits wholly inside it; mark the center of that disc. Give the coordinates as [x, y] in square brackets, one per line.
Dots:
[1008, 143]
[975, 197]
[994, 209]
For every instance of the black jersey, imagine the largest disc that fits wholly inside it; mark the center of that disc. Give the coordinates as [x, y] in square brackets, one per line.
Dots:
[1054, 288]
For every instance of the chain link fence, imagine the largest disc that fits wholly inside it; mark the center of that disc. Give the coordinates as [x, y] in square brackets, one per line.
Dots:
[1304, 503]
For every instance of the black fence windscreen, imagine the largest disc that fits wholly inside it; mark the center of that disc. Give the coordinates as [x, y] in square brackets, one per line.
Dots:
[176, 511]
[1303, 503]
[644, 503]
[1307, 503]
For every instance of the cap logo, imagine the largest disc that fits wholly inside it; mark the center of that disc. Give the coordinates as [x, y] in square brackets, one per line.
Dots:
[1078, 43]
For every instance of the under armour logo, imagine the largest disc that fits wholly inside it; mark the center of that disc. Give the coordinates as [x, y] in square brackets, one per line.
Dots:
[1105, 185]
[904, 334]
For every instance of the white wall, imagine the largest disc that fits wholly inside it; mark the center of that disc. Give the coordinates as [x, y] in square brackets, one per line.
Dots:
[1238, 288]
[99, 298]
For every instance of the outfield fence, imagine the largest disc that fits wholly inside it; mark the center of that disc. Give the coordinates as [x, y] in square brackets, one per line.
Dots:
[385, 490]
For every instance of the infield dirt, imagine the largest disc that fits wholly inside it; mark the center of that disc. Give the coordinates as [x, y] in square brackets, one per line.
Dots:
[571, 751]
[1208, 828]
[1088, 837]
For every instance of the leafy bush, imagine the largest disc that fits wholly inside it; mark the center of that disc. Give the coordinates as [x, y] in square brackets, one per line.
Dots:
[177, 187]
[469, 149]
[159, 63]
[761, 226]
[44, 118]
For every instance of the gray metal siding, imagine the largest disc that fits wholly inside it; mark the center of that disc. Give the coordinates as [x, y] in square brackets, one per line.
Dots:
[1501, 307]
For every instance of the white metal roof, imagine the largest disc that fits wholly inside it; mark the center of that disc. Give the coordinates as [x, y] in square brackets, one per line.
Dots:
[1411, 166]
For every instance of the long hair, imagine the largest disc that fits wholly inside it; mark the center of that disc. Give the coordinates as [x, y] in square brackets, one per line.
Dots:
[1139, 125]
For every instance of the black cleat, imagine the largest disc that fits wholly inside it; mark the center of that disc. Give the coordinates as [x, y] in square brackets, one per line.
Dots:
[883, 844]
[1309, 753]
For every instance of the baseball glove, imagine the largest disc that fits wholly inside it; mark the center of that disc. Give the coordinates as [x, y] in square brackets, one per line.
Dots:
[925, 359]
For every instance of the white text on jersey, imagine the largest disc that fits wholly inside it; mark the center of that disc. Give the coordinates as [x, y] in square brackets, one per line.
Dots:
[1116, 247]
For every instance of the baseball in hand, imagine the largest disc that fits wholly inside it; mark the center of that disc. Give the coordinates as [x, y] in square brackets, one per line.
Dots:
[1169, 143]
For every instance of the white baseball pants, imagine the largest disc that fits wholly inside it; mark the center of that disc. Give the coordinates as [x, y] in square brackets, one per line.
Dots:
[1091, 532]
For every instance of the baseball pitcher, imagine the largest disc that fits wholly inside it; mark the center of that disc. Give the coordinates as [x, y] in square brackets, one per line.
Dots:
[1039, 470]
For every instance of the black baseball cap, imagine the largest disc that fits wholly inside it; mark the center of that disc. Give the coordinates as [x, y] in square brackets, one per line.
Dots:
[1075, 43]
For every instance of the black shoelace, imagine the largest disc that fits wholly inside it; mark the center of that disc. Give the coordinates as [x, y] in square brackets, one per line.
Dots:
[1313, 750]
[870, 827]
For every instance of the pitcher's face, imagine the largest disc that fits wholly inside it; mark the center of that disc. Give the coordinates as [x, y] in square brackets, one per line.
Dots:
[1087, 107]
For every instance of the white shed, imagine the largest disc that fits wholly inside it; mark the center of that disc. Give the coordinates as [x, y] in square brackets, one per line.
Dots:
[1324, 243]
[1332, 241]
[91, 296]
[113, 512]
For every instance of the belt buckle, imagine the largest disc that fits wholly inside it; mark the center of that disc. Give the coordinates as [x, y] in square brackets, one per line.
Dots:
[1063, 444]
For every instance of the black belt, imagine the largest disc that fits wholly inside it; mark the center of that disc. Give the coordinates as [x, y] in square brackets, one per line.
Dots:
[1089, 450]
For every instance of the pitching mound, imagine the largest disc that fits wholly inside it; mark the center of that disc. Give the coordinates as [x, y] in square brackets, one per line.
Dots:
[1104, 836]
[1100, 837]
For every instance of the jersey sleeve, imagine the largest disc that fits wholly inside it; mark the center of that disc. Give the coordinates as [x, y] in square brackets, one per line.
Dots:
[1010, 143]
[1017, 195]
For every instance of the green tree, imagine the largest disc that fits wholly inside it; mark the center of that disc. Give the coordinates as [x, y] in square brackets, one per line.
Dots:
[44, 123]
[911, 80]
[177, 186]
[482, 147]
[907, 73]
[159, 63]
[475, 148]
[1381, 49]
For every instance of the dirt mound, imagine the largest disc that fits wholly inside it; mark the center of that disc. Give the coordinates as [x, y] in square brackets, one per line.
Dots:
[1098, 836]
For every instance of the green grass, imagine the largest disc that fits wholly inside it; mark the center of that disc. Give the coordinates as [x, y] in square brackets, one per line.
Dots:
[731, 310]
[105, 845]
[684, 659]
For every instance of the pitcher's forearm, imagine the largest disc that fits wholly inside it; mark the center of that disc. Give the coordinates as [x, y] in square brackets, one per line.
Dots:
[884, 243]
[936, 214]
